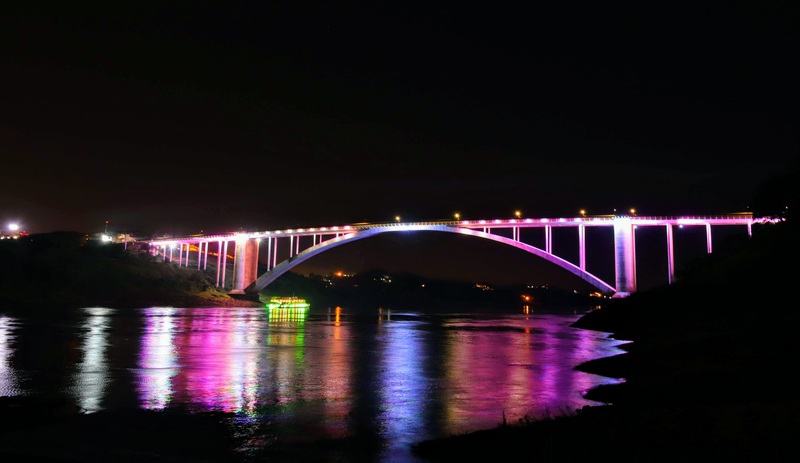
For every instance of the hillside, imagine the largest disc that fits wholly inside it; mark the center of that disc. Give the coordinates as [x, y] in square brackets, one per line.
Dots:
[53, 271]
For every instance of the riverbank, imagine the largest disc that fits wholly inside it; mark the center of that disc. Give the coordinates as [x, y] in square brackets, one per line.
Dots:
[708, 373]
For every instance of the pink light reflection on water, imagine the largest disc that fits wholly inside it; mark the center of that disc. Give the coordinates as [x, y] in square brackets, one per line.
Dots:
[213, 360]
[493, 373]
[220, 360]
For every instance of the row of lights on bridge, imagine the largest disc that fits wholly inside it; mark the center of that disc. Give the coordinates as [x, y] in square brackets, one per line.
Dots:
[518, 214]
[630, 211]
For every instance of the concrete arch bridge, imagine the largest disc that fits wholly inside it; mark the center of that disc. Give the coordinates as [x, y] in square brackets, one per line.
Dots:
[316, 240]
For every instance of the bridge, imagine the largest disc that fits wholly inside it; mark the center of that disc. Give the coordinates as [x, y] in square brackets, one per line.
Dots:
[246, 247]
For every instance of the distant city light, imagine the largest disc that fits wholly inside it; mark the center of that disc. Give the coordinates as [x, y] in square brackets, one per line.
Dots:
[12, 231]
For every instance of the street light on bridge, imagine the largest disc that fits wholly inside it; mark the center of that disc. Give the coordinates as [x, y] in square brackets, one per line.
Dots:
[517, 214]
[457, 216]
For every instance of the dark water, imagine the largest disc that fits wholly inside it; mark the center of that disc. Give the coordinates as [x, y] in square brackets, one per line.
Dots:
[398, 377]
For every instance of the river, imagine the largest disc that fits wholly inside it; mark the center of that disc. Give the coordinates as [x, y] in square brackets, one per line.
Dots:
[397, 377]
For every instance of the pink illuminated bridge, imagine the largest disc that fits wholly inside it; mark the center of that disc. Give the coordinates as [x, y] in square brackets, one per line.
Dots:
[294, 246]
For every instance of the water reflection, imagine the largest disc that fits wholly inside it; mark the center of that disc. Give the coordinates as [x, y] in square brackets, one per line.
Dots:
[403, 385]
[207, 359]
[9, 384]
[92, 375]
[287, 316]
[157, 362]
[332, 385]
[401, 377]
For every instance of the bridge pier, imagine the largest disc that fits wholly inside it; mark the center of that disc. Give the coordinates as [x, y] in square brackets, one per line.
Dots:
[245, 264]
[624, 256]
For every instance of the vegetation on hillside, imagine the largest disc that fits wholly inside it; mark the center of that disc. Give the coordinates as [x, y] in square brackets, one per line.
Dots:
[64, 269]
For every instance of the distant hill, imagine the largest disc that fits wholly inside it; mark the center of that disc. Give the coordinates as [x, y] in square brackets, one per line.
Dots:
[379, 288]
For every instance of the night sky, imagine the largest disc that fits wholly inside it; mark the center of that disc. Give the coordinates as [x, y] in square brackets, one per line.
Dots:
[177, 117]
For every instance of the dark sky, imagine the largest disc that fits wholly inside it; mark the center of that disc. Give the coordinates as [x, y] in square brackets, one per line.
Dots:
[215, 116]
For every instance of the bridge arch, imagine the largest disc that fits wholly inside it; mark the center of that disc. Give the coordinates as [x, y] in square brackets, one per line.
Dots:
[265, 279]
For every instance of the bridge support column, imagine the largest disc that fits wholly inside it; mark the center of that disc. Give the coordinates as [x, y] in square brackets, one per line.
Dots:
[245, 263]
[269, 253]
[670, 256]
[548, 239]
[224, 262]
[219, 263]
[624, 256]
